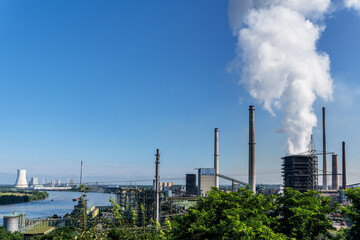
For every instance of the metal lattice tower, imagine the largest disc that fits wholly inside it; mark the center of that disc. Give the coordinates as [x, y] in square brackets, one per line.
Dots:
[300, 172]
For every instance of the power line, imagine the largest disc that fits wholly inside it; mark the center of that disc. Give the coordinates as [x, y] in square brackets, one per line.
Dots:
[125, 181]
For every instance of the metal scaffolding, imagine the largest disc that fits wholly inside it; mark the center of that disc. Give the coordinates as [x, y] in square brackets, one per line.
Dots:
[300, 172]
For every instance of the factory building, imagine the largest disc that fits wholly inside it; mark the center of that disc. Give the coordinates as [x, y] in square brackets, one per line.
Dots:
[206, 178]
[133, 198]
[165, 185]
[190, 184]
[34, 181]
[300, 172]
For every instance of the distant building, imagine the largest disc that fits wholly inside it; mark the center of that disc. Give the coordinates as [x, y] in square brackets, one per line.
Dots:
[190, 184]
[69, 182]
[21, 179]
[165, 185]
[177, 189]
[34, 181]
[206, 178]
[58, 183]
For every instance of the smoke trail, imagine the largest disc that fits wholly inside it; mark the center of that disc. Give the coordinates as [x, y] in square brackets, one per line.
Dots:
[280, 65]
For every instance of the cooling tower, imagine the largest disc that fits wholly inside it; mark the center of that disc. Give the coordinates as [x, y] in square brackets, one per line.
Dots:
[21, 179]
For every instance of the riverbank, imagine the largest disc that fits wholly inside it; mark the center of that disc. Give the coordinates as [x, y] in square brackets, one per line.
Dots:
[58, 202]
[14, 197]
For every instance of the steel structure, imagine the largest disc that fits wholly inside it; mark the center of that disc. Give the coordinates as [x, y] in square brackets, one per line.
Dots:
[190, 184]
[233, 181]
[300, 172]
[134, 199]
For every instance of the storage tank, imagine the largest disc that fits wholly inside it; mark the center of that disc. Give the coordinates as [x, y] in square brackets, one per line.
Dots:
[11, 222]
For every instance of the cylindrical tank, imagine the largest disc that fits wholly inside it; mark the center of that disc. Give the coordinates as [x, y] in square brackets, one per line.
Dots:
[21, 179]
[11, 223]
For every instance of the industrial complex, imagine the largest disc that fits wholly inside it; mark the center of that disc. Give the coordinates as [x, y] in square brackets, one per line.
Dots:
[165, 199]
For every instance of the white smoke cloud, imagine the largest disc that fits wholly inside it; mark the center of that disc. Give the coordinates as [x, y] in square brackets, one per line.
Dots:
[279, 62]
[353, 4]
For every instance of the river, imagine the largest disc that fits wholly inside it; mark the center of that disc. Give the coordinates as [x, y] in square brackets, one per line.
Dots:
[58, 202]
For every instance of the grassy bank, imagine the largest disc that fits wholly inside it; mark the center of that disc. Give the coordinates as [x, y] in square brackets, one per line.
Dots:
[14, 197]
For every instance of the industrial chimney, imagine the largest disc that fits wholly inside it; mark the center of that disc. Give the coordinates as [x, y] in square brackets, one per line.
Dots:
[21, 179]
[252, 148]
[335, 181]
[81, 170]
[343, 166]
[216, 157]
[325, 182]
[157, 188]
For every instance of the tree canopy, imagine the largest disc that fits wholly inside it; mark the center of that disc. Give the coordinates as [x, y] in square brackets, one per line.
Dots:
[353, 213]
[245, 215]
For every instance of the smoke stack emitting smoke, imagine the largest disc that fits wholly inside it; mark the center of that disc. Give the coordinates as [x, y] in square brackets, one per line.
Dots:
[280, 65]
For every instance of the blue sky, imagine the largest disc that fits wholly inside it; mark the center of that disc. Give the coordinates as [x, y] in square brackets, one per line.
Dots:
[109, 82]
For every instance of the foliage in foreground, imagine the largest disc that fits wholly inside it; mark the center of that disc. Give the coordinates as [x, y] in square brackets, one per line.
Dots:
[353, 213]
[235, 215]
[245, 215]
[6, 235]
[302, 215]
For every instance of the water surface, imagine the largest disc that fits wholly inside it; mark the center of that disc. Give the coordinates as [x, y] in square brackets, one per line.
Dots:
[58, 202]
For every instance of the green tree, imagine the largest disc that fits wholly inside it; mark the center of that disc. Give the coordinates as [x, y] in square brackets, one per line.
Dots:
[122, 227]
[62, 233]
[302, 215]
[6, 235]
[235, 215]
[352, 212]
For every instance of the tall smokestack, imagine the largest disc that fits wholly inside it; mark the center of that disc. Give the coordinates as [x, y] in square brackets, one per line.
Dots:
[157, 188]
[335, 181]
[325, 182]
[252, 148]
[343, 166]
[216, 156]
[81, 173]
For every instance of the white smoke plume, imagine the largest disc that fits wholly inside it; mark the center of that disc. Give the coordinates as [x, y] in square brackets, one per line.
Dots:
[279, 63]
